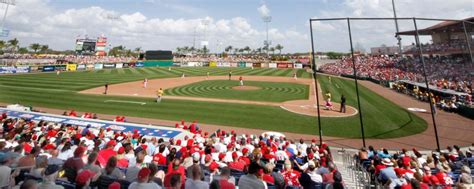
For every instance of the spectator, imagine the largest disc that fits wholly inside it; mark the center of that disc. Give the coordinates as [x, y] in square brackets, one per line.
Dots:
[29, 184]
[84, 179]
[175, 182]
[111, 169]
[252, 180]
[142, 181]
[74, 164]
[41, 163]
[49, 178]
[387, 173]
[195, 182]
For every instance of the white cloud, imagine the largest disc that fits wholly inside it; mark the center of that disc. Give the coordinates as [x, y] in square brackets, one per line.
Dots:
[60, 28]
[263, 10]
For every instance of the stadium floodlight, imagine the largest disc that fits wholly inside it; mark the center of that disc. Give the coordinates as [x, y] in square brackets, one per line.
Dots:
[396, 27]
[267, 19]
[4, 32]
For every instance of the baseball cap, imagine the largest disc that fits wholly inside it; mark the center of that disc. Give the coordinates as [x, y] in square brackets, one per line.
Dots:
[84, 176]
[51, 169]
[196, 156]
[144, 172]
[114, 185]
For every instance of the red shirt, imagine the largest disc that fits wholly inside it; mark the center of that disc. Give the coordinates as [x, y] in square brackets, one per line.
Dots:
[122, 163]
[237, 165]
[431, 180]
[167, 180]
[225, 184]
[291, 177]
[444, 179]
[268, 178]
[244, 159]
[159, 159]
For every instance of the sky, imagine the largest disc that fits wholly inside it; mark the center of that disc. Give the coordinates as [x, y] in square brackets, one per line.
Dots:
[167, 24]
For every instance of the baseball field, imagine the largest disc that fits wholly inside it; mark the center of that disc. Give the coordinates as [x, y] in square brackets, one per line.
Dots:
[215, 100]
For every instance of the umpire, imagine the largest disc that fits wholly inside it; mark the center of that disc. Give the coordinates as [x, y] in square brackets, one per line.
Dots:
[343, 104]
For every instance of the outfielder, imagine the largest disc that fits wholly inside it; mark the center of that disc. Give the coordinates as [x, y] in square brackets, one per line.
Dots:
[145, 82]
[159, 94]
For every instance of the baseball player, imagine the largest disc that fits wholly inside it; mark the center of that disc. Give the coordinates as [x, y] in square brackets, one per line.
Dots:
[145, 82]
[159, 94]
[241, 80]
[207, 77]
[230, 75]
[106, 86]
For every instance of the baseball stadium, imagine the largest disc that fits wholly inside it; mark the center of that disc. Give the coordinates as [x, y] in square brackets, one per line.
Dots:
[94, 116]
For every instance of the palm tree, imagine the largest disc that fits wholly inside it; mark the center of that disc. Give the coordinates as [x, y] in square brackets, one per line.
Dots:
[138, 49]
[259, 50]
[23, 50]
[247, 48]
[228, 49]
[13, 44]
[179, 50]
[35, 47]
[279, 48]
[2, 44]
[272, 49]
[44, 48]
[236, 50]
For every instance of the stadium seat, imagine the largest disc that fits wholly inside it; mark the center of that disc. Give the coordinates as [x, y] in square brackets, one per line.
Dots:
[236, 174]
[104, 181]
[271, 186]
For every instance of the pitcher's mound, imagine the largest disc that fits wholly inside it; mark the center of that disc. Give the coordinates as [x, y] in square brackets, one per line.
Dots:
[245, 88]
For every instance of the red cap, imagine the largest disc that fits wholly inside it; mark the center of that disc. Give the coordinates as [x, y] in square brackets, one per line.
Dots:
[234, 155]
[121, 150]
[230, 145]
[178, 142]
[399, 171]
[313, 141]
[190, 142]
[245, 150]
[144, 172]
[79, 151]
[213, 166]
[84, 176]
[114, 185]
[207, 158]
[310, 156]
[49, 147]
[108, 129]
[111, 143]
[221, 156]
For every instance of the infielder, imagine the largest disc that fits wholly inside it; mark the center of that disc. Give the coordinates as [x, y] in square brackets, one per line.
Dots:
[241, 80]
[145, 82]
[159, 94]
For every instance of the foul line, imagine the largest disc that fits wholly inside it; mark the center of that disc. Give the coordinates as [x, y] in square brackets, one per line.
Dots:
[124, 101]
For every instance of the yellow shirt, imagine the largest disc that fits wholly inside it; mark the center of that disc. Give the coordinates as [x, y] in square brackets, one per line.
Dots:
[159, 92]
[328, 95]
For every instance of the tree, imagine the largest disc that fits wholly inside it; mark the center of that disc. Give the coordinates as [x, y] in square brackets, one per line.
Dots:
[259, 50]
[23, 50]
[279, 48]
[138, 49]
[44, 48]
[236, 50]
[228, 49]
[2, 44]
[35, 47]
[272, 49]
[205, 50]
[13, 44]
[247, 48]
[241, 51]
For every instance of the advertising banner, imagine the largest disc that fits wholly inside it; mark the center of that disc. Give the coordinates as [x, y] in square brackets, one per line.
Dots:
[81, 67]
[60, 67]
[242, 64]
[109, 65]
[299, 66]
[248, 65]
[35, 68]
[98, 66]
[282, 65]
[131, 64]
[233, 64]
[264, 65]
[257, 65]
[14, 69]
[290, 65]
[272, 65]
[212, 64]
[48, 68]
[94, 123]
[139, 64]
[125, 65]
[90, 66]
[119, 65]
[71, 67]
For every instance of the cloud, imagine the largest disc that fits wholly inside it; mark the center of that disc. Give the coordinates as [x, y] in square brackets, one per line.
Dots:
[263, 10]
[59, 29]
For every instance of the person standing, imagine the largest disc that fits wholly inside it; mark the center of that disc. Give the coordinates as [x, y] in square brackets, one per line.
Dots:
[343, 104]
[106, 88]
[145, 82]
[207, 77]
[241, 80]
[295, 76]
[182, 76]
[159, 94]
[230, 75]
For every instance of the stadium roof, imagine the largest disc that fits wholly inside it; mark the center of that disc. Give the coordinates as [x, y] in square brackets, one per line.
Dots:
[446, 26]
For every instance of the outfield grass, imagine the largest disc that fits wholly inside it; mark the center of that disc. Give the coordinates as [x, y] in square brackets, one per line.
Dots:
[223, 89]
[382, 119]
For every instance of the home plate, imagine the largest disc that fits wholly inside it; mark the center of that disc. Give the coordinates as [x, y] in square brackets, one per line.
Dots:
[135, 94]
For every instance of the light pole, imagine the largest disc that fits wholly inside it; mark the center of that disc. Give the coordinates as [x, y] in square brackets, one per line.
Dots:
[396, 27]
[4, 33]
[267, 20]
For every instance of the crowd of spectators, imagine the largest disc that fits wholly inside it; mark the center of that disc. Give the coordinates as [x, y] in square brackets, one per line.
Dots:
[52, 155]
[251, 58]
[442, 72]
[52, 59]
[446, 169]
